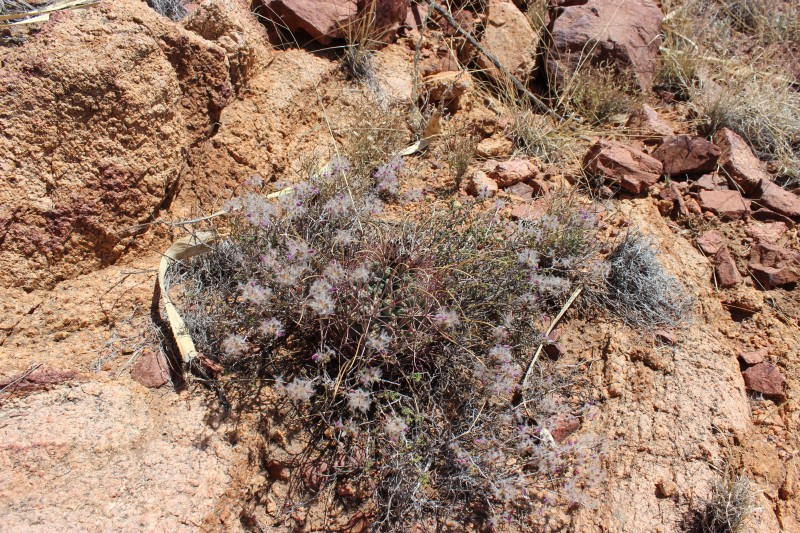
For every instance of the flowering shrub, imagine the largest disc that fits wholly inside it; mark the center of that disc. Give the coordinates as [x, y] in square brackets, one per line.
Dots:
[397, 345]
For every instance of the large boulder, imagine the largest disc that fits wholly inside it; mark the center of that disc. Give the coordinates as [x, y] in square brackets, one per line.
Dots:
[509, 37]
[99, 109]
[624, 33]
[326, 20]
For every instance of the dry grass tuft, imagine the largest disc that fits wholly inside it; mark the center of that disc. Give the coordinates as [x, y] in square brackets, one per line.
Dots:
[766, 114]
[638, 289]
[730, 505]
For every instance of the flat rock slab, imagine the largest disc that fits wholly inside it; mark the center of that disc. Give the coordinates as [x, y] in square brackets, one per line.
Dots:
[774, 265]
[633, 169]
[738, 161]
[684, 154]
[728, 205]
[765, 379]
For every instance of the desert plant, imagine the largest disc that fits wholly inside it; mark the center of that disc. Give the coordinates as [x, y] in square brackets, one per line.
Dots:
[766, 114]
[638, 289]
[730, 505]
[172, 9]
[397, 345]
[596, 94]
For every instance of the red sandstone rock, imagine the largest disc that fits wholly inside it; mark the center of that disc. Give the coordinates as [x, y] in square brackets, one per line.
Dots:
[151, 370]
[779, 199]
[773, 265]
[633, 169]
[764, 378]
[728, 205]
[624, 33]
[684, 154]
[738, 161]
[754, 357]
[769, 232]
[647, 125]
[508, 173]
[710, 242]
[725, 268]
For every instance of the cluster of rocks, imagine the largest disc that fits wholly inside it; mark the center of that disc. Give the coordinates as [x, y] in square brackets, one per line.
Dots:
[759, 375]
[720, 179]
[596, 32]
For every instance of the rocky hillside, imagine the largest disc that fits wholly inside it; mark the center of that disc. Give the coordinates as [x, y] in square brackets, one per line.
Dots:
[124, 124]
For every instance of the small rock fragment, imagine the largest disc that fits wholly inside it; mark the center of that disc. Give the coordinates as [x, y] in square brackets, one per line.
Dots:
[728, 205]
[765, 379]
[522, 190]
[508, 173]
[666, 489]
[754, 357]
[495, 146]
[773, 265]
[562, 426]
[684, 154]
[725, 267]
[151, 370]
[648, 125]
[711, 182]
[738, 161]
[277, 470]
[769, 232]
[633, 169]
[481, 185]
[446, 88]
[779, 199]
[710, 242]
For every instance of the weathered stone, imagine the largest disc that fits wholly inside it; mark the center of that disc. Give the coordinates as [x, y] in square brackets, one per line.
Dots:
[710, 242]
[754, 357]
[495, 146]
[623, 33]
[769, 232]
[522, 190]
[725, 268]
[509, 37]
[684, 154]
[562, 426]
[332, 19]
[508, 173]
[446, 88]
[728, 205]
[773, 265]
[765, 379]
[676, 206]
[779, 199]
[646, 124]
[738, 161]
[151, 370]
[481, 185]
[666, 489]
[633, 169]
[711, 182]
